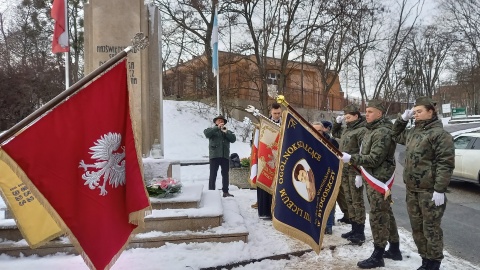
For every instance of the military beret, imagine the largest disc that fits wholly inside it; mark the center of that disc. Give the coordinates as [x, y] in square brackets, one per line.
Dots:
[378, 104]
[424, 101]
[351, 108]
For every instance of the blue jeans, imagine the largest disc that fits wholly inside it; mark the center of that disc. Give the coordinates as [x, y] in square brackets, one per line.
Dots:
[331, 218]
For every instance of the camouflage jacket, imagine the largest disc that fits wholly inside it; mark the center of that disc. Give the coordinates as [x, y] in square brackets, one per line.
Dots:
[429, 155]
[377, 154]
[219, 142]
[351, 138]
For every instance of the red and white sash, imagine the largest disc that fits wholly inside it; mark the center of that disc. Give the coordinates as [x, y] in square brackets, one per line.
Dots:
[376, 184]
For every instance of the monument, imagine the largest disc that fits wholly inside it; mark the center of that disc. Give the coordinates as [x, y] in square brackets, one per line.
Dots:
[109, 27]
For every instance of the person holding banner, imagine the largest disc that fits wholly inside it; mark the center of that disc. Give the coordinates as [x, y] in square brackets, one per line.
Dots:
[264, 199]
[377, 163]
[324, 127]
[219, 139]
[429, 164]
[352, 183]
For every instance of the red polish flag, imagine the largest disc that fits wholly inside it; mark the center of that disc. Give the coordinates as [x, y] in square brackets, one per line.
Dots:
[60, 32]
[83, 165]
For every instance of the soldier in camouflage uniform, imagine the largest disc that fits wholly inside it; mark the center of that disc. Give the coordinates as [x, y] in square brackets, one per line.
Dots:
[377, 158]
[352, 136]
[429, 163]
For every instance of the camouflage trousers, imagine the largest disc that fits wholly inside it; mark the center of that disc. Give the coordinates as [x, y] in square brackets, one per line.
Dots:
[341, 200]
[382, 222]
[354, 199]
[425, 219]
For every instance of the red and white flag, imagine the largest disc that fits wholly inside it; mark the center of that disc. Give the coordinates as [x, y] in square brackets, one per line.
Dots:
[254, 158]
[82, 163]
[60, 32]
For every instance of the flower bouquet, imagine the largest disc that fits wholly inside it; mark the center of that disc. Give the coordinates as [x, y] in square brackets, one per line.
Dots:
[164, 188]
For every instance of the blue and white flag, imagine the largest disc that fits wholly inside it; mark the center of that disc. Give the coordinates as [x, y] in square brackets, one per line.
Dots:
[214, 44]
[308, 178]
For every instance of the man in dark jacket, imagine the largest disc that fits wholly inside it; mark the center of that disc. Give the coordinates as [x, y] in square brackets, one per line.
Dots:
[219, 138]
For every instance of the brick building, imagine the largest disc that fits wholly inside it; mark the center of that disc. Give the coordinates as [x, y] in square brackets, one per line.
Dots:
[240, 80]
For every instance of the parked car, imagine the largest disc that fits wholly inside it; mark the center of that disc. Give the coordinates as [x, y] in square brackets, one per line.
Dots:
[467, 157]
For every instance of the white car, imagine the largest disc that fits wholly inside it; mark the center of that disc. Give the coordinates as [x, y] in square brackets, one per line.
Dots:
[467, 157]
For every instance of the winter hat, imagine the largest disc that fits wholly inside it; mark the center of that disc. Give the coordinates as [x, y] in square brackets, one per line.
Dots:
[327, 124]
[220, 117]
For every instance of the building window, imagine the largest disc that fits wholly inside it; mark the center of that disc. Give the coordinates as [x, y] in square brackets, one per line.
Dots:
[273, 78]
[201, 81]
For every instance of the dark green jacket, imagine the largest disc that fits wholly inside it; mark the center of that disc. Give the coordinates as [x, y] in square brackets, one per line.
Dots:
[429, 155]
[219, 142]
[351, 138]
[377, 155]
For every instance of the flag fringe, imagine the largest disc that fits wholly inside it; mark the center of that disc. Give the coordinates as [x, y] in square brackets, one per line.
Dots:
[5, 158]
[24, 178]
[135, 219]
[297, 234]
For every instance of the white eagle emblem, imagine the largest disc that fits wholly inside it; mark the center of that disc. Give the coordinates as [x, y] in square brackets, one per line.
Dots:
[110, 165]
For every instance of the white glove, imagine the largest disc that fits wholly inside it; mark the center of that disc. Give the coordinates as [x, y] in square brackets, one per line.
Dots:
[346, 157]
[439, 198]
[250, 108]
[407, 114]
[358, 181]
[339, 119]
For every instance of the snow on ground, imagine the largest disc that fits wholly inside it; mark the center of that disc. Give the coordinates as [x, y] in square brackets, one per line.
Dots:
[184, 140]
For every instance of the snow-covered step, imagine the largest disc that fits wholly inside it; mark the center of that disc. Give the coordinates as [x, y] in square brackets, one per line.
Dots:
[231, 229]
[207, 215]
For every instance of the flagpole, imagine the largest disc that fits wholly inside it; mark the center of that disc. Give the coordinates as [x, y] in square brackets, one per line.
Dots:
[139, 42]
[67, 54]
[218, 93]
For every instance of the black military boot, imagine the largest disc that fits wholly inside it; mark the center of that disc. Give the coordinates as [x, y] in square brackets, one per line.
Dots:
[345, 220]
[433, 265]
[375, 260]
[393, 252]
[424, 264]
[350, 233]
[358, 236]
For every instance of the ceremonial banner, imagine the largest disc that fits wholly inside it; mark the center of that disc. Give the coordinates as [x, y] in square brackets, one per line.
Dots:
[267, 154]
[32, 219]
[81, 162]
[308, 178]
[254, 159]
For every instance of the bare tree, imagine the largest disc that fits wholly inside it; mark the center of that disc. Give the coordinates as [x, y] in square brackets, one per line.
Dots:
[427, 48]
[405, 22]
[463, 16]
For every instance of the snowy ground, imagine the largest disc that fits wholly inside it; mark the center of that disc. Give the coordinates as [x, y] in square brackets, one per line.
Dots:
[184, 139]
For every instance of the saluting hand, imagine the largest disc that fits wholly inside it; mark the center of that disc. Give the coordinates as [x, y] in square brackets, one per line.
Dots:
[407, 114]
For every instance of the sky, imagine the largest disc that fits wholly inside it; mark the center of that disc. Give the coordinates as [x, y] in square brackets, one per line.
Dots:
[184, 140]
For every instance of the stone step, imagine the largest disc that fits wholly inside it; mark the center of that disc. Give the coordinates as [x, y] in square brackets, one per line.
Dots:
[189, 198]
[208, 215]
[163, 217]
[232, 228]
